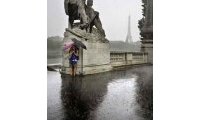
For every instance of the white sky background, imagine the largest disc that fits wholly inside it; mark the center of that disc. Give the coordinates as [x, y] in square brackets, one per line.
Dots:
[113, 14]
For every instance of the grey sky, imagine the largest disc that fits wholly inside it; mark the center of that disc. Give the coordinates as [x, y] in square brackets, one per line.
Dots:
[113, 13]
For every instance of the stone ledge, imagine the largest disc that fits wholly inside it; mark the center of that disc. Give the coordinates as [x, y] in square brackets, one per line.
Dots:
[147, 41]
[89, 69]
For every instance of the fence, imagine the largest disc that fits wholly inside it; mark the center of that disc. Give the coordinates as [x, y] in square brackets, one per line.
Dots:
[127, 58]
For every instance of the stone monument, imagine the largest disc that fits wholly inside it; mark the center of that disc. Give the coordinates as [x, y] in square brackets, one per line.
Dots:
[147, 32]
[96, 58]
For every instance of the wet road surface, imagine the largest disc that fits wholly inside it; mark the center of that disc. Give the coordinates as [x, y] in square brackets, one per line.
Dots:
[125, 94]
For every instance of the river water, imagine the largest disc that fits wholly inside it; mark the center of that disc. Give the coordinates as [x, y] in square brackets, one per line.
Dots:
[54, 60]
[125, 94]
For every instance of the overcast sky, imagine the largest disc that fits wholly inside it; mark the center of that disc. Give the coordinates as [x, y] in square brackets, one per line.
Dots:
[113, 14]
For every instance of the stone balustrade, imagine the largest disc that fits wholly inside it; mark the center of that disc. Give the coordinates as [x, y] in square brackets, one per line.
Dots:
[127, 58]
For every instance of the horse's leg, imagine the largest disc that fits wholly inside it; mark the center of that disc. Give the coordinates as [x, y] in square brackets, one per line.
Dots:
[91, 25]
[83, 26]
[71, 21]
[69, 24]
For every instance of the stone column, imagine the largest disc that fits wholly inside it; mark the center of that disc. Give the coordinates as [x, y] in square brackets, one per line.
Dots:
[147, 31]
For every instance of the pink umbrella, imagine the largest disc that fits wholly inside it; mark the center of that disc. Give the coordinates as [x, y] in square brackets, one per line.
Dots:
[68, 45]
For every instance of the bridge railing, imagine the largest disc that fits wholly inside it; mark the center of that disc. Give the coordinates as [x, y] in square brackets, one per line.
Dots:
[128, 58]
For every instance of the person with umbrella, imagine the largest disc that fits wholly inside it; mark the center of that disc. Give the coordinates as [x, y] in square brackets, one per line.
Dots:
[73, 59]
[73, 47]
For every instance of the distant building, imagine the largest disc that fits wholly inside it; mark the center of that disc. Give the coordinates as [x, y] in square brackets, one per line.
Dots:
[128, 45]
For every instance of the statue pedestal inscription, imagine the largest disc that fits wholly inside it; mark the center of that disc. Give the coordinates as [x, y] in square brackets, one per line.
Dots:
[95, 59]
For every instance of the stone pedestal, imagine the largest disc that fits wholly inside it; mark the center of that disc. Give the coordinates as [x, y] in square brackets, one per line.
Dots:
[147, 32]
[95, 59]
[147, 46]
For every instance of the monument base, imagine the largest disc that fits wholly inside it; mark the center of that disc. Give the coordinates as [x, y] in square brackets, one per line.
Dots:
[95, 59]
[147, 46]
[88, 69]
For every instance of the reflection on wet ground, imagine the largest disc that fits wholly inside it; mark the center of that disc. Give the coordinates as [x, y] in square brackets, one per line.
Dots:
[125, 94]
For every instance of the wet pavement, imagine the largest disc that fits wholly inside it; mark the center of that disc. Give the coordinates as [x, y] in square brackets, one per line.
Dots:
[125, 94]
